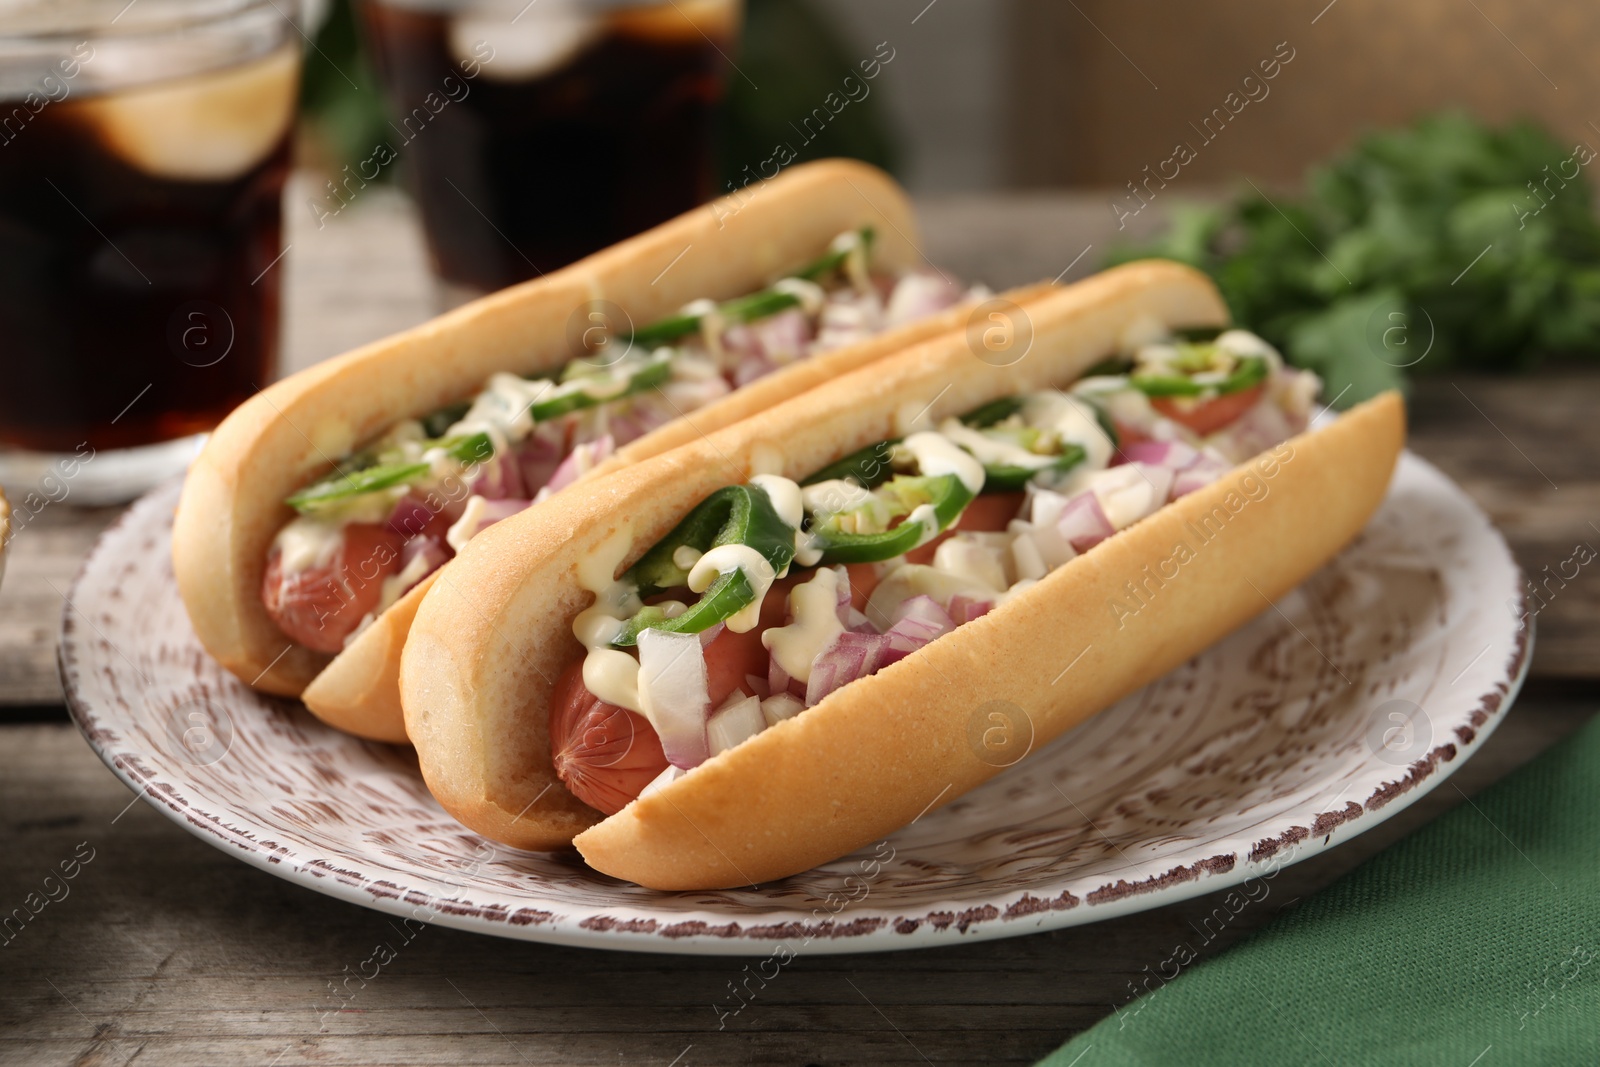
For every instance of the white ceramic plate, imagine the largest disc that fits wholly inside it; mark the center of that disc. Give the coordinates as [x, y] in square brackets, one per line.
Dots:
[1344, 703]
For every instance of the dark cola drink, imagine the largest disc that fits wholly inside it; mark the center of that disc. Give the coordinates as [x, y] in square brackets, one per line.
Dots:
[140, 225]
[536, 133]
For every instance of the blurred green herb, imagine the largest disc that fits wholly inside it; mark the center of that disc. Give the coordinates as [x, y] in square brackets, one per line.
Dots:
[1443, 244]
[339, 94]
[791, 51]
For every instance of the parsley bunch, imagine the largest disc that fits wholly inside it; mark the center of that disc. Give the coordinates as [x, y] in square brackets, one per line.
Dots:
[1445, 244]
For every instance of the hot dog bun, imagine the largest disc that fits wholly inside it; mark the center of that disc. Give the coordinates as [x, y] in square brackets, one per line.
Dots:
[359, 691]
[494, 633]
[232, 504]
[874, 755]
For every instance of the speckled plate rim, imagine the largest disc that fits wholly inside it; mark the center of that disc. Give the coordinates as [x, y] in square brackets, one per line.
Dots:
[950, 921]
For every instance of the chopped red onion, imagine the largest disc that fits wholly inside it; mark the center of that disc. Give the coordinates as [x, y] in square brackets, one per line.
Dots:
[1161, 480]
[675, 692]
[963, 609]
[410, 516]
[851, 656]
[735, 724]
[583, 456]
[500, 478]
[783, 337]
[1083, 522]
[918, 295]
[1174, 455]
[780, 681]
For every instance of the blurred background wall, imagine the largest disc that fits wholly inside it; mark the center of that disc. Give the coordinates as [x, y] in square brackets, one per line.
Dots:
[994, 94]
[1017, 93]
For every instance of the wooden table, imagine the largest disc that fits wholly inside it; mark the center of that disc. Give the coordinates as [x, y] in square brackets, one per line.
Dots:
[169, 951]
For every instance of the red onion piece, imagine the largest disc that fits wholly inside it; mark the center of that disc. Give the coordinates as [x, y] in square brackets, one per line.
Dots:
[963, 609]
[583, 456]
[674, 688]
[918, 295]
[500, 478]
[1174, 455]
[851, 656]
[1083, 522]
[410, 516]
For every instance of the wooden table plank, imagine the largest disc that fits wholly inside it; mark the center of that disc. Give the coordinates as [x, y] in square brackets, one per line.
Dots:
[167, 950]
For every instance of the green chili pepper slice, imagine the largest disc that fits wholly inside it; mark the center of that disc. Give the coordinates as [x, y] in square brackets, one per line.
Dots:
[736, 514]
[1008, 479]
[868, 468]
[654, 372]
[994, 411]
[439, 422]
[757, 305]
[1251, 371]
[946, 492]
[340, 487]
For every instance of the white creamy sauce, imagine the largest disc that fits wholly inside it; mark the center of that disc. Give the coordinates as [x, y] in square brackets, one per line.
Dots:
[1074, 421]
[834, 495]
[809, 294]
[787, 498]
[855, 260]
[937, 455]
[712, 326]
[609, 673]
[725, 559]
[306, 543]
[991, 452]
[465, 528]
[925, 516]
[396, 585]
[816, 625]
[684, 557]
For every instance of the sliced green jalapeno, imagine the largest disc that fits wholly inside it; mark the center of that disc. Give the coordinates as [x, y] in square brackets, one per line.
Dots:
[733, 515]
[757, 305]
[654, 372]
[338, 488]
[948, 495]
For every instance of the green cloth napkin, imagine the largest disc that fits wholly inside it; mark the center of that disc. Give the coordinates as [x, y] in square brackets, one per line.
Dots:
[1473, 943]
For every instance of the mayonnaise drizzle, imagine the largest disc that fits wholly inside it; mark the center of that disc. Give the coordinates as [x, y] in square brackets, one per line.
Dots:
[991, 451]
[725, 559]
[937, 455]
[609, 673]
[810, 295]
[816, 625]
[786, 497]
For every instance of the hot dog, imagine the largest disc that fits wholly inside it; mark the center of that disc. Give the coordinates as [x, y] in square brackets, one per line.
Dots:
[321, 511]
[898, 549]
